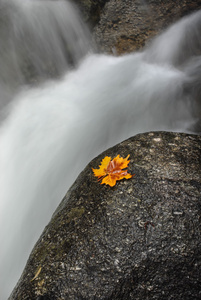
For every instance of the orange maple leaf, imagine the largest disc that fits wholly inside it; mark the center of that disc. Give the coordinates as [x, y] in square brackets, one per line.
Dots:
[112, 170]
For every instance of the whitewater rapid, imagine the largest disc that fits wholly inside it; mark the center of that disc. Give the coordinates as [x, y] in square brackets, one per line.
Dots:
[54, 129]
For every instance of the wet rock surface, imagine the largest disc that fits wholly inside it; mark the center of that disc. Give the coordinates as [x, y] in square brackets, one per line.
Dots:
[91, 10]
[140, 239]
[128, 25]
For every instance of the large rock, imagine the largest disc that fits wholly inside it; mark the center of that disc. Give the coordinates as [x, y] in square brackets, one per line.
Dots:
[140, 239]
[127, 25]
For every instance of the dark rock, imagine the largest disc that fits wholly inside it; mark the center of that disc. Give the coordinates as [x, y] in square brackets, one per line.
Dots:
[91, 10]
[127, 25]
[140, 239]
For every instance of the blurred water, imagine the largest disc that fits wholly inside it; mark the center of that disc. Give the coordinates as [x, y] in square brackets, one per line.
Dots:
[39, 40]
[54, 129]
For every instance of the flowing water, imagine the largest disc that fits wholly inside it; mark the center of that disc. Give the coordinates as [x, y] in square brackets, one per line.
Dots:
[50, 131]
[39, 40]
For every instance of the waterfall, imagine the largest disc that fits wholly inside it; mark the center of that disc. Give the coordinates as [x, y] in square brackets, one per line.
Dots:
[54, 128]
[39, 40]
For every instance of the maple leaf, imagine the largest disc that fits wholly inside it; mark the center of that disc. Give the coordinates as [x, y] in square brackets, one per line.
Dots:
[112, 170]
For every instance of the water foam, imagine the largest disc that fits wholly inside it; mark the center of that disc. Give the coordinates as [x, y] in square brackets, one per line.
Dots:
[55, 129]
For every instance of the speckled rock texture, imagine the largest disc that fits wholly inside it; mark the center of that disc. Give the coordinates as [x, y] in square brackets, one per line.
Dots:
[91, 10]
[127, 25]
[139, 240]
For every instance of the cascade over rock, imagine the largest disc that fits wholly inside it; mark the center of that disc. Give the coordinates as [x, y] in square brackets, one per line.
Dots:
[51, 131]
[137, 240]
[127, 25]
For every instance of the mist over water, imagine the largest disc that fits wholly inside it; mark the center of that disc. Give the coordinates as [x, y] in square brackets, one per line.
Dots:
[52, 130]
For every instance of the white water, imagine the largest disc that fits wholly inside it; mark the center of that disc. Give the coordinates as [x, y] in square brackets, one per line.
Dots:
[53, 130]
[39, 40]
